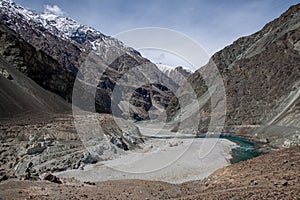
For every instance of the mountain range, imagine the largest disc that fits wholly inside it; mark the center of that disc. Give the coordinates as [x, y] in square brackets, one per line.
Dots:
[65, 44]
[43, 55]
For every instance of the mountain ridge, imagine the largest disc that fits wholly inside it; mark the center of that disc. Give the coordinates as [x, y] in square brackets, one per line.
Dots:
[259, 72]
[70, 44]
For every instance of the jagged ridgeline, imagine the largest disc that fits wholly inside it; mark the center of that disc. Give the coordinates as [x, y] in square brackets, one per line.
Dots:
[50, 50]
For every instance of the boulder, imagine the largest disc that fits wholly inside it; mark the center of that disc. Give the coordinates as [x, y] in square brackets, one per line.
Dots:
[36, 149]
[52, 178]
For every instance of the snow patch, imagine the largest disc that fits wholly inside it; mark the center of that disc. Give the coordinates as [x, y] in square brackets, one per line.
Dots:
[62, 27]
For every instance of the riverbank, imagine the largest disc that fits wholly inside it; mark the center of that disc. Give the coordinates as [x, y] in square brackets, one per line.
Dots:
[245, 149]
[169, 160]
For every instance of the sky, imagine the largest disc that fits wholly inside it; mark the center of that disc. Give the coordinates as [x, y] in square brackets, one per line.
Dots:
[213, 24]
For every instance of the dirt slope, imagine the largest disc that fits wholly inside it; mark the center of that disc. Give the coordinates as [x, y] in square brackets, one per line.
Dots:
[19, 94]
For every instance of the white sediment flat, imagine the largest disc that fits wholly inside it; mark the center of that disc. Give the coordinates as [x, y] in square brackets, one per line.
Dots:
[174, 160]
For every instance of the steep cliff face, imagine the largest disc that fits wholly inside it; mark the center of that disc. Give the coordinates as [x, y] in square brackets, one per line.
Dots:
[36, 64]
[261, 70]
[61, 45]
[261, 75]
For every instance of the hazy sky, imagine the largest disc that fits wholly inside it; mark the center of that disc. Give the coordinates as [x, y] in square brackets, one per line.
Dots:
[212, 23]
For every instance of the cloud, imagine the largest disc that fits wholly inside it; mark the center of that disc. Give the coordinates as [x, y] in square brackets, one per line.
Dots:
[54, 9]
[160, 56]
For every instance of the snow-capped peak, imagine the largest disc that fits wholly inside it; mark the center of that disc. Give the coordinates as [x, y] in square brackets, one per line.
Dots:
[164, 68]
[58, 25]
[168, 69]
[177, 74]
[17, 17]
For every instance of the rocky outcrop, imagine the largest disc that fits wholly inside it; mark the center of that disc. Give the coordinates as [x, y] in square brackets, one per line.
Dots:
[40, 144]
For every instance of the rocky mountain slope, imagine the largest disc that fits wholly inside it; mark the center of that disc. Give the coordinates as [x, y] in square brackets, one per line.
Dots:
[261, 75]
[69, 44]
[34, 63]
[39, 61]
[37, 131]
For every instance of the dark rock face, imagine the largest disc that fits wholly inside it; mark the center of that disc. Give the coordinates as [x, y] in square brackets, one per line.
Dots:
[20, 95]
[146, 97]
[39, 36]
[37, 65]
[51, 49]
[185, 73]
[261, 74]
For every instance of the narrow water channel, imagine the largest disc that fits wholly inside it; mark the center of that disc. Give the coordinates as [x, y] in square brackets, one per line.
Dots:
[245, 150]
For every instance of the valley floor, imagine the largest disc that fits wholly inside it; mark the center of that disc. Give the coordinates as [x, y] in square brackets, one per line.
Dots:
[173, 160]
[170, 169]
[169, 160]
[270, 176]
